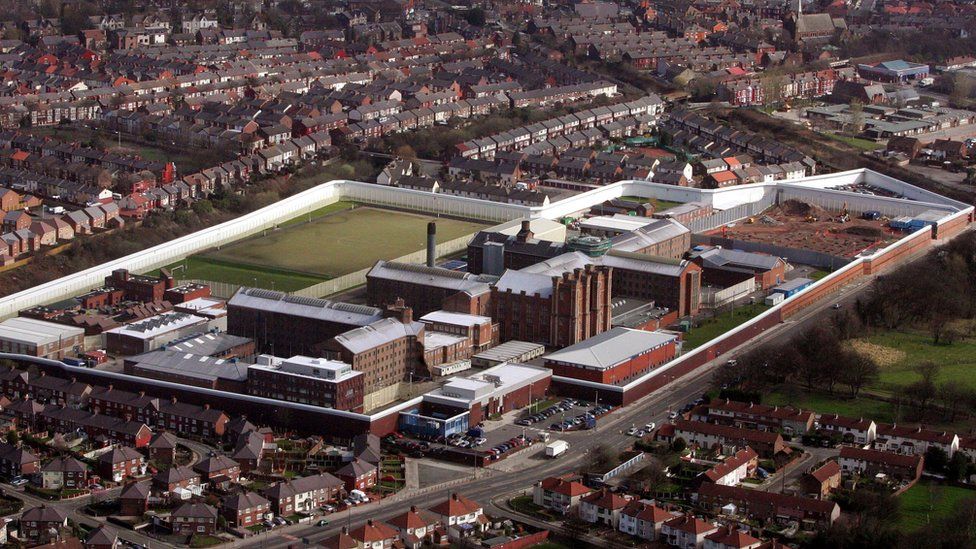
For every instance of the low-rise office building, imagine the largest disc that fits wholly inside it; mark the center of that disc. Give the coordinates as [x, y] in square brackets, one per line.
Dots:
[39, 338]
[307, 380]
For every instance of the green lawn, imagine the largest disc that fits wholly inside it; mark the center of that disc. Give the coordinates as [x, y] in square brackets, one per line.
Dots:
[525, 505]
[713, 327]
[878, 410]
[341, 243]
[339, 206]
[927, 502]
[658, 203]
[817, 275]
[856, 142]
[957, 361]
[206, 268]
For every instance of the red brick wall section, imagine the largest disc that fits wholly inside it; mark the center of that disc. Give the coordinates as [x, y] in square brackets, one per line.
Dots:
[819, 291]
[525, 541]
[953, 227]
[893, 257]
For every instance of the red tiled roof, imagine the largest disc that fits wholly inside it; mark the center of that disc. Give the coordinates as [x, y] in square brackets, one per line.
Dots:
[731, 464]
[914, 433]
[647, 512]
[373, 532]
[565, 487]
[731, 537]
[727, 431]
[455, 506]
[878, 456]
[691, 524]
[826, 471]
[606, 499]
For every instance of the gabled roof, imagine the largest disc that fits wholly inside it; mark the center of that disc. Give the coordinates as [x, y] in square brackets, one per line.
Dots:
[455, 506]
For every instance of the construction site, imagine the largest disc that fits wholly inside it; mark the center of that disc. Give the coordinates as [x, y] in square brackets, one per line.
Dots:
[799, 225]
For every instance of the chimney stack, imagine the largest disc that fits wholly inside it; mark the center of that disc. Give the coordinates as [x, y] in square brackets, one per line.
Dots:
[431, 243]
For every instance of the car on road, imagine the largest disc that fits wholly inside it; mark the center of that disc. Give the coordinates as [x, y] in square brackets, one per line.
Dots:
[650, 426]
[836, 306]
[673, 415]
[322, 522]
[18, 481]
[632, 431]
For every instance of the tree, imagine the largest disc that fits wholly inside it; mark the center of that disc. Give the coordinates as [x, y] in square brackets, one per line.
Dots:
[857, 116]
[476, 17]
[13, 438]
[857, 370]
[679, 445]
[772, 84]
[936, 459]
[957, 467]
[405, 152]
[962, 89]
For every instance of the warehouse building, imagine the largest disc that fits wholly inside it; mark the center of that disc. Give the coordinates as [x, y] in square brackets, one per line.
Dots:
[152, 333]
[40, 338]
[514, 352]
[614, 357]
[189, 369]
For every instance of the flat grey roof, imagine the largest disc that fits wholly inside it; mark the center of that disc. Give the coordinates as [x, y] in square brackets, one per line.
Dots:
[606, 350]
[35, 332]
[510, 350]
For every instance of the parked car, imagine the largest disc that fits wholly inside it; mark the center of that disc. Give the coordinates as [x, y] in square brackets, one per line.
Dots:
[18, 481]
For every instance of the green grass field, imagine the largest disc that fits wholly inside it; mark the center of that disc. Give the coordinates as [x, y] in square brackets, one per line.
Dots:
[957, 361]
[204, 268]
[824, 403]
[714, 327]
[927, 502]
[339, 243]
[856, 142]
[658, 204]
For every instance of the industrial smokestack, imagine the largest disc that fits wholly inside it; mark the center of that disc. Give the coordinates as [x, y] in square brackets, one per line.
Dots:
[431, 243]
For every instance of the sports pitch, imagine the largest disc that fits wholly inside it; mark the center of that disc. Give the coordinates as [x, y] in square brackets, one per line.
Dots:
[339, 243]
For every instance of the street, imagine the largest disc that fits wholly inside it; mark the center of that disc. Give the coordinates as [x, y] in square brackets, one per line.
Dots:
[491, 486]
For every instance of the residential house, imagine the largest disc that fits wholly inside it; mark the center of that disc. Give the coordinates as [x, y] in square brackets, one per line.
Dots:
[64, 473]
[559, 494]
[730, 537]
[303, 495]
[853, 431]
[686, 532]
[603, 507]
[414, 526]
[644, 520]
[868, 463]
[39, 525]
[194, 518]
[460, 516]
[120, 463]
[217, 469]
[915, 440]
[245, 509]
[358, 475]
[822, 480]
[134, 499]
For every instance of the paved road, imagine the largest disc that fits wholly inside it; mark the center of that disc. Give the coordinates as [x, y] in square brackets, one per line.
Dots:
[492, 486]
[73, 507]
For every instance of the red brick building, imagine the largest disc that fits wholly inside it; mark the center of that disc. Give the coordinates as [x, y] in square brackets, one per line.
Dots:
[357, 475]
[134, 499]
[139, 287]
[552, 310]
[315, 381]
[121, 463]
[616, 357]
[194, 518]
[245, 509]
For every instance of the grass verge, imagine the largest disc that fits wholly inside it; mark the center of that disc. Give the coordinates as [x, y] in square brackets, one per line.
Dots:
[928, 502]
[711, 328]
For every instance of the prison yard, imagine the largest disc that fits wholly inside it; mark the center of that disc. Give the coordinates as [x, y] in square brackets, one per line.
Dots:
[799, 225]
[325, 243]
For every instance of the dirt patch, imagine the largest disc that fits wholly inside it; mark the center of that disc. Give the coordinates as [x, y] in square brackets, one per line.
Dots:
[882, 356]
[800, 225]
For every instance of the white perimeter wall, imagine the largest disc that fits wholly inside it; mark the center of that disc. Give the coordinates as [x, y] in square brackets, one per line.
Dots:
[333, 191]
